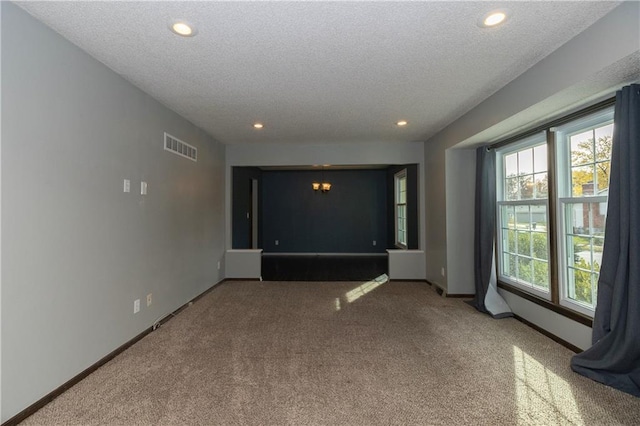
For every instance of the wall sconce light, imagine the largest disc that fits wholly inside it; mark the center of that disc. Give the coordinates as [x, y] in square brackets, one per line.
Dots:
[324, 186]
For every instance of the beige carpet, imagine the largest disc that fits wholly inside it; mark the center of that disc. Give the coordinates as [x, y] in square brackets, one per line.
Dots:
[338, 353]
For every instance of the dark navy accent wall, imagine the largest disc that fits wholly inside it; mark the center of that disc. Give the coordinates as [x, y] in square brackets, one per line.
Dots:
[412, 205]
[345, 220]
[241, 205]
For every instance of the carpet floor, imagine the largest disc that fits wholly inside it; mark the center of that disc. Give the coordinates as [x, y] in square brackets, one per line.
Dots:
[338, 353]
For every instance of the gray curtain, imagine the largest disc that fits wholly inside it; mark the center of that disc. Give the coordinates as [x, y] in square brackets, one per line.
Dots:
[486, 298]
[614, 358]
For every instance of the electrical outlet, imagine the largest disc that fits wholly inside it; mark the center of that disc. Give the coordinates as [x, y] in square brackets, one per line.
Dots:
[149, 299]
[126, 186]
[218, 265]
[374, 242]
[136, 306]
[277, 242]
[143, 188]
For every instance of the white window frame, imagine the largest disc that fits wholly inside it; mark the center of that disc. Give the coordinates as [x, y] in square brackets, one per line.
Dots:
[529, 142]
[397, 178]
[565, 198]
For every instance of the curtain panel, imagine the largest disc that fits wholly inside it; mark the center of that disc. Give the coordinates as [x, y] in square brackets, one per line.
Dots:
[487, 299]
[614, 357]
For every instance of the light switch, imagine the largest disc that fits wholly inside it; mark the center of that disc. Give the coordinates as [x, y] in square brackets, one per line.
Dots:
[143, 188]
[127, 185]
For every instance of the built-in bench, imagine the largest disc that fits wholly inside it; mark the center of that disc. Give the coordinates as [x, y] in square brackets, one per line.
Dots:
[255, 264]
[323, 266]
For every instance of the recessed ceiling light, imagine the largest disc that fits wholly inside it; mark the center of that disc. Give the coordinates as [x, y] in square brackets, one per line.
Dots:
[493, 18]
[401, 123]
[258, 125]
[183, 28]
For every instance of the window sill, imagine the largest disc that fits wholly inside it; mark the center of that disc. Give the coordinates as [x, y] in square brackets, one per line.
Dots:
[561, 310]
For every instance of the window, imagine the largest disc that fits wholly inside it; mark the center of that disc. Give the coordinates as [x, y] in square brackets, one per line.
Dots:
[522, 215]
[401, 208]
[563, 270]
[583, 150]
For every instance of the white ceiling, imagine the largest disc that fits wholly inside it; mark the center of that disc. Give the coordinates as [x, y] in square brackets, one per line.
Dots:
[319, 71]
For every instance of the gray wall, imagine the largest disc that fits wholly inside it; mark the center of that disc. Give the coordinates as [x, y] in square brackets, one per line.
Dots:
[77, 250]
[565, 79]
[1, 418]
[460, 195]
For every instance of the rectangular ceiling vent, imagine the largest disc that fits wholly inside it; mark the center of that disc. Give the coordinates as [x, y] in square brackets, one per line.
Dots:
[179, 147]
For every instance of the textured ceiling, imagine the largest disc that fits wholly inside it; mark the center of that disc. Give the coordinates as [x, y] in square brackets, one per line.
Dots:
[319, 71]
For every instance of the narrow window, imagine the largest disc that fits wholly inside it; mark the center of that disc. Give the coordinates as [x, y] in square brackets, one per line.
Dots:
[523, 240]
[583, 159]
[401, 208]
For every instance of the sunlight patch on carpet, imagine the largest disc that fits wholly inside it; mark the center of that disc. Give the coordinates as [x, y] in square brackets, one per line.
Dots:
[365, 288]
[542, 396]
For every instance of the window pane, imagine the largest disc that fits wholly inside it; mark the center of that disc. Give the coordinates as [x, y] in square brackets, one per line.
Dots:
[581, 252]
[540, 247]
[524, 243]
[510, 265]
[540, 159]
[582, 148]
[586, 218]
[511, 165]
[508, 217]
[582, 180]
[577, 222]
[539, 218]
[511, 189]
[541, 185]
[526, 187]
[523, 219]
[598, 244]
[597, 218]
[511, 241]
[525, 162]
[602, 176]
[579, 286]
[401, 190]
[604, 136]
[585, 226]
[541, 274]
[525, 270]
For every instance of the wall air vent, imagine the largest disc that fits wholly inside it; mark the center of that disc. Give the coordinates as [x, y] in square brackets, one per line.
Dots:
[180, 148]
